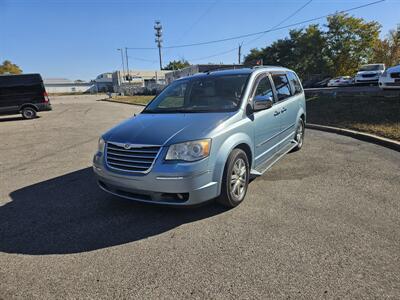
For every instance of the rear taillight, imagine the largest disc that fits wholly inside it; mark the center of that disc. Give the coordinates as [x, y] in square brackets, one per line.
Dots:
[45, 97]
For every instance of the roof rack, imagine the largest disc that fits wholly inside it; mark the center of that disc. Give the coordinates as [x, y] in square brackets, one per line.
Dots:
[266, 66]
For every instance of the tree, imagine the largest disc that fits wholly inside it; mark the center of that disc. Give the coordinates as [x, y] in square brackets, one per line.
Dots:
[301, 51]
[8, 67]
[350, 43]
[177, 64]
[387, 51]
[308, 56]
[346, 43]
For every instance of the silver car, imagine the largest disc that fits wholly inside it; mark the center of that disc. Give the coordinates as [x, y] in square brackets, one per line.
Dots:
[203, 137]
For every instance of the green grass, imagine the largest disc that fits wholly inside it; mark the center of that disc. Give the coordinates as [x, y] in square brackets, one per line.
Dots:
[376, 115]
[137, 100]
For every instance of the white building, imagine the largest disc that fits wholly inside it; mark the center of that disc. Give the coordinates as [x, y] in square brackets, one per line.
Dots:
[104, 82]
[63, 85]
[136, 81]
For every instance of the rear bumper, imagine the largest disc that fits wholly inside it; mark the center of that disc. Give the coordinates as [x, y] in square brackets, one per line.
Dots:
[44, 106]
[183, 189]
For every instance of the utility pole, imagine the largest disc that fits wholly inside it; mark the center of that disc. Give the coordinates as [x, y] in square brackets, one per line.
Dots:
[127, 65]
[240, 52]
[158, 40]
[123, 63]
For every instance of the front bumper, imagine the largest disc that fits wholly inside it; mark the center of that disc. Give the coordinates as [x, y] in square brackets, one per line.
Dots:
[390, 84]
[361, 80]
[167, 184]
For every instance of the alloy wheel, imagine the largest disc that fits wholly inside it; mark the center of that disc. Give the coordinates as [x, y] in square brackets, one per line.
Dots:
[238, 179]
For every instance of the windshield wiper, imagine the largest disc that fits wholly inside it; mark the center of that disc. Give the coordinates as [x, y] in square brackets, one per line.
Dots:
[162, 111]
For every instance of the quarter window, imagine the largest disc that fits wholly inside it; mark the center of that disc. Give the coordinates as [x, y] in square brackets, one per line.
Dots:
[282, 86]
[174, 97]
[294, 80]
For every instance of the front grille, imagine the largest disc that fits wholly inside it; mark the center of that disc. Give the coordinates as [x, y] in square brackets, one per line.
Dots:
[368, 75]
[138, 159]
[395, 75]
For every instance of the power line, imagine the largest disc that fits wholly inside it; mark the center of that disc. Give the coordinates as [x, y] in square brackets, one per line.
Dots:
[241, 44]
[205, 12]
[214, 55]
[142, 59]
[260, 32]
[281, 22]
[198, 20]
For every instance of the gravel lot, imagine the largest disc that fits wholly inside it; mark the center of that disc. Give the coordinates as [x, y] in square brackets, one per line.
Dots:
[322, 223]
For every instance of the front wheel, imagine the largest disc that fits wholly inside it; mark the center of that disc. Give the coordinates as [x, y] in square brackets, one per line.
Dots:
[28, 113]
[299, 135]
[235, 179]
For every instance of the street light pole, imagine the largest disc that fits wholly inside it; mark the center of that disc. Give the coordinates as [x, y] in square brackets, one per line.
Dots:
[158, 40]
[122, 59]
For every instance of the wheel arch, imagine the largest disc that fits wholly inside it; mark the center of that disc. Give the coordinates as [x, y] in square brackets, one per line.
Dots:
[238, 140]
[31, 105]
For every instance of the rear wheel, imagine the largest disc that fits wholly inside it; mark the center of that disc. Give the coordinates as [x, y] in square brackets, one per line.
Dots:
[299, 135]
[235, 179]
[28, 113]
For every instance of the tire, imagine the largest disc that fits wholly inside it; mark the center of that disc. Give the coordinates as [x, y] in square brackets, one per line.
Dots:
[28, 113]
[299, 135]
[234, 191]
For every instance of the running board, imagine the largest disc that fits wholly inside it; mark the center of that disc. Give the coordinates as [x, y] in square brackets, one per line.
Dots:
[263, 167]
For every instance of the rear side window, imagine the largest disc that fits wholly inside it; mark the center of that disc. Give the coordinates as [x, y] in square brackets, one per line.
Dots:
[294, 80]
[282, 86]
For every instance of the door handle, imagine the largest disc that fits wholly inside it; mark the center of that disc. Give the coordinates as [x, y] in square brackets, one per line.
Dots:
[283, 110]
[276, 113]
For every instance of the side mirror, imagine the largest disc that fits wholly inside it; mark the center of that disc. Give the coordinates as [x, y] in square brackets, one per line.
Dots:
[262, 102]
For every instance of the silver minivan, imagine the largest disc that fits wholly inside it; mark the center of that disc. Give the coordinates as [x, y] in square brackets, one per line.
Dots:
[203, 137]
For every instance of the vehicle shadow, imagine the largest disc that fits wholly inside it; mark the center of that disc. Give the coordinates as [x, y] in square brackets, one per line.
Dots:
[15, 118]
[70, 214]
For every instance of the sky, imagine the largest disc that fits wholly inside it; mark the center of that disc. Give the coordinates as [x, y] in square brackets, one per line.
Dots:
[78, 39]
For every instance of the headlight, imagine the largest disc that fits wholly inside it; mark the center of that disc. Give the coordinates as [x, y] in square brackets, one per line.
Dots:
[189, 151]
[100, 146]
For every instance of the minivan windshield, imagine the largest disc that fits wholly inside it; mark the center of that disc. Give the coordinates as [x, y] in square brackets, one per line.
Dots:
[377, 67]
[211, 93]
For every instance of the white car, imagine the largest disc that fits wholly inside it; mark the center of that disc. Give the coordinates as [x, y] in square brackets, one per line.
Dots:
[341, 81]
[369, 73]
[390, 79]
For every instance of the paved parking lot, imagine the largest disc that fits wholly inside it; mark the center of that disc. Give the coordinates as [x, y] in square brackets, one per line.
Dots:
[322, 223]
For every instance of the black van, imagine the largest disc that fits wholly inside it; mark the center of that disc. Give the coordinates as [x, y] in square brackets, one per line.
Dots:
[23, 94]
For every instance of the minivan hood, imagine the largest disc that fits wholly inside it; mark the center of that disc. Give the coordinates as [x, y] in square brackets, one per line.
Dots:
[393, 69]
[165, 129]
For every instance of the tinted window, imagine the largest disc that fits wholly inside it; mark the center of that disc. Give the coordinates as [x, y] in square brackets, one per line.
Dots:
[295, 82]
[18, 80]
[376, 67]
[201, 94]
[264, 88]
[174, 97]
[282, 86]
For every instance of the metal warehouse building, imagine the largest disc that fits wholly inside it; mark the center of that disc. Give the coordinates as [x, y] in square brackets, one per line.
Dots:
[62, 85]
